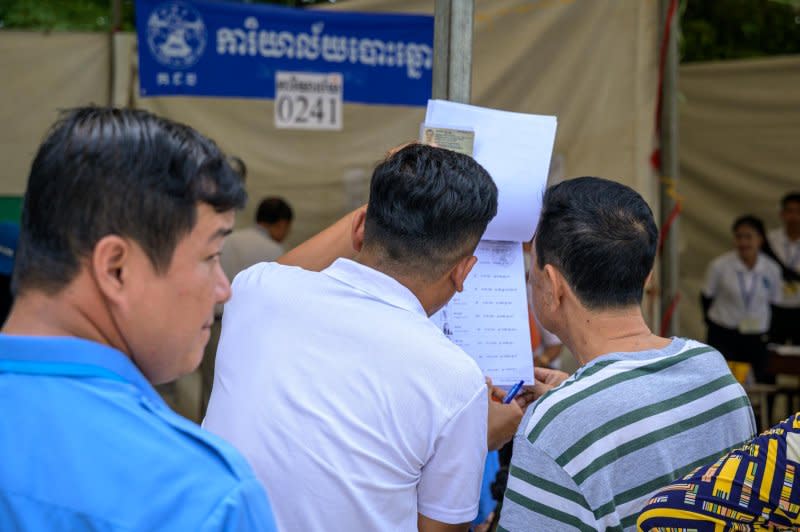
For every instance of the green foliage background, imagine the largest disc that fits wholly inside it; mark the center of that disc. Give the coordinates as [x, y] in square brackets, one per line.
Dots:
[73, 15]
[84, 15]
[739, 29]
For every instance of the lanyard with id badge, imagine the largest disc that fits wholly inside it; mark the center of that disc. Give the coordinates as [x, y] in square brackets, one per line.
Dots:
[791, 289]
[750, 323]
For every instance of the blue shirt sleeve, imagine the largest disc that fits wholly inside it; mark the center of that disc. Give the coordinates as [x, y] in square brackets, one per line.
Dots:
[243, 509]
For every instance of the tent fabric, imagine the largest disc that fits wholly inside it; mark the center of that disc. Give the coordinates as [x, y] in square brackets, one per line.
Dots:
[43, 73]
[739, 131]
[546, 57]
[592, 64]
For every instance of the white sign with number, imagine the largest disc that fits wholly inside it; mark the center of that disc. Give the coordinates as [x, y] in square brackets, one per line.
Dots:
[305, 100]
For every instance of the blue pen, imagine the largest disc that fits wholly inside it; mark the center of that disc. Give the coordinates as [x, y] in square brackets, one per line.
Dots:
[512, 393]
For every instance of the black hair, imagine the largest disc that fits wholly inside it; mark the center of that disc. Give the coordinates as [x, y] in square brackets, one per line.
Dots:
[790, 197]
[428, 208]
[601, 236]
[273, 210]
[103, 171]
[751, 221]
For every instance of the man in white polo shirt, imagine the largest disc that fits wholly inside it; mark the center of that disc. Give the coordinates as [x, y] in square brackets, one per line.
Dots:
[354, 409]
[783, 245]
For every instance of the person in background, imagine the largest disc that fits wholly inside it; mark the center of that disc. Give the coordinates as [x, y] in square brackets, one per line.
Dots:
[642, 410]
[9, 235]
[753, 487]
[739, 288]
[116, 276]
[783, 245]
[261, 242]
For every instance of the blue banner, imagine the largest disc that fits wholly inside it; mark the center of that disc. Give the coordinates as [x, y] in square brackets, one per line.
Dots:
[226, 49]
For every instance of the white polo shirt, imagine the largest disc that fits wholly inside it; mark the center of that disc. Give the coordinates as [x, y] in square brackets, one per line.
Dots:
[788, 252]
[741, 297]
[353, 408]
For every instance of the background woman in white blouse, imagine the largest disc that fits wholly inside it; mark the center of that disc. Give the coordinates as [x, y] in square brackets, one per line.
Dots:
[740, 286]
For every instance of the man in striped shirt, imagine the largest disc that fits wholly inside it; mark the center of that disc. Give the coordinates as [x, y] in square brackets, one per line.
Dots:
[642, 410]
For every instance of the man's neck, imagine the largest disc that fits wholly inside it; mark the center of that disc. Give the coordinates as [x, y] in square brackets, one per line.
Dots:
[793, 236]
[265, 229]
[35, 313]
[270, 230]
[749, 262]
[422, 290]
[597, 333]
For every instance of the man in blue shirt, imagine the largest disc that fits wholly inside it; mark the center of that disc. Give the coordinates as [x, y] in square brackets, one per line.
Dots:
[116, 277]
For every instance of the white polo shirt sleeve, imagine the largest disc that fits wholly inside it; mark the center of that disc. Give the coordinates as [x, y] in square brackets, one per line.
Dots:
[449, 488]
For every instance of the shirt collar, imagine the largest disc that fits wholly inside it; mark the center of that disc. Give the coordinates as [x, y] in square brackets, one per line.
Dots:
[70, 357]
[740, 266]
[376, 284]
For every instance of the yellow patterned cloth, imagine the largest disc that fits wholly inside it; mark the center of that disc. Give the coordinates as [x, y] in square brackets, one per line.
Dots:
[751, 488]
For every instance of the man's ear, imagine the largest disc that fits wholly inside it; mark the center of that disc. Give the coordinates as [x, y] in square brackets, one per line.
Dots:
[461, 270]
[109, 260]
[357, 228]
[555, 286]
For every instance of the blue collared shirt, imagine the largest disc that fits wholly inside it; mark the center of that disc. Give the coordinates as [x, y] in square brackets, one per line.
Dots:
[86, 443]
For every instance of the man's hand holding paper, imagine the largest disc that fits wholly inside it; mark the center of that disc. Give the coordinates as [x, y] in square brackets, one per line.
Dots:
[545, 379]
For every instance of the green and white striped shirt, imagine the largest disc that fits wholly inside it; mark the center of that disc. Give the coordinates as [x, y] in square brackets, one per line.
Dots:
[589, 454]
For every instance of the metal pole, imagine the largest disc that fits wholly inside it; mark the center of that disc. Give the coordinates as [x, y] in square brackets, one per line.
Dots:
[670, 170]
[113, 28]
[452, 50]
[116, 15]
[441, 49]
[461, 22]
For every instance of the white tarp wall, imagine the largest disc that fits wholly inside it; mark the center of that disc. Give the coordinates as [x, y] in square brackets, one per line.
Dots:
[593, 64]
[40, 74]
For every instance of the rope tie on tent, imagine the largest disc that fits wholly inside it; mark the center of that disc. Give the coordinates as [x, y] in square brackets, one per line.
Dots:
[672, 192]
[655, 159]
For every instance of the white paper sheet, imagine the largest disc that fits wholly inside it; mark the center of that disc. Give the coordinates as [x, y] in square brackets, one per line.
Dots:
[489, 319]
[515, 149]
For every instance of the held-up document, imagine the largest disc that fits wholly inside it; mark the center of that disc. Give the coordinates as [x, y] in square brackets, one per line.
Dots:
[489, 319]
[515, 149]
